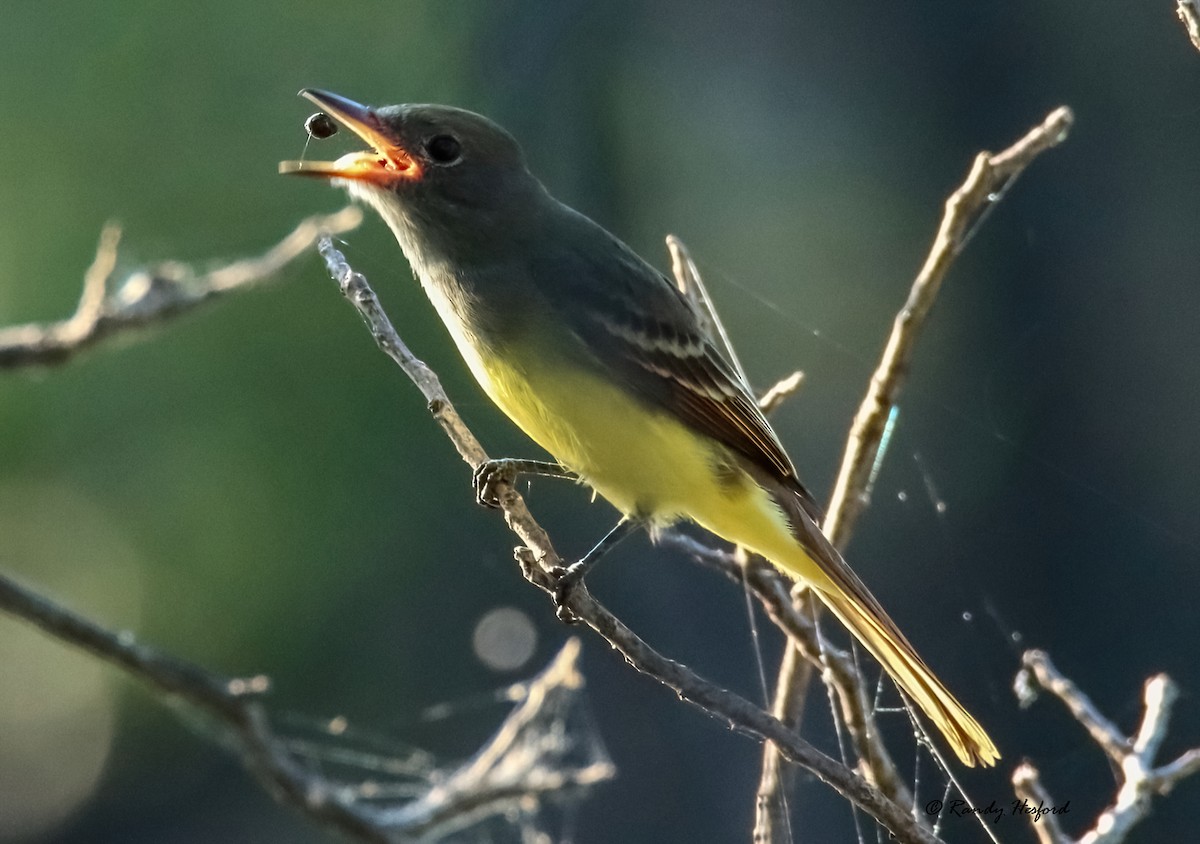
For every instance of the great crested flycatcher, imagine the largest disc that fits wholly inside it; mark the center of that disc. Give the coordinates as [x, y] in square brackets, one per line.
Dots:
[602, 361]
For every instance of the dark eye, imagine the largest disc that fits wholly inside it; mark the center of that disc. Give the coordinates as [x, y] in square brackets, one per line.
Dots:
[444, 149]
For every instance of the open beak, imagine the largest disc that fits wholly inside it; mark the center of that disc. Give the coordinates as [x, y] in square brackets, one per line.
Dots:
[384, 164]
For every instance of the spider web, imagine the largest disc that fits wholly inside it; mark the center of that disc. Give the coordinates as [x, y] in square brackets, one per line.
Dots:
[520, 787]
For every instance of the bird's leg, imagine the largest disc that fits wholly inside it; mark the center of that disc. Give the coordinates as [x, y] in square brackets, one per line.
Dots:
[492, 472]
[566, 579]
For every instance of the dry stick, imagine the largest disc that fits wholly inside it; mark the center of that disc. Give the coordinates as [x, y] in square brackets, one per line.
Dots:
[691, 285]
[109, 306]
[1189, 13]
[538, 558]
[780, 392]
[989, 177]
[1132, 757]
[231, 702]
[501, 773]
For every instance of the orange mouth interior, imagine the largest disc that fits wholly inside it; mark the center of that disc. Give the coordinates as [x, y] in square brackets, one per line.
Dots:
[384, 164]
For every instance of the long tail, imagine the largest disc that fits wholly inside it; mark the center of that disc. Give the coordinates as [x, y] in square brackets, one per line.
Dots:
[854, 605]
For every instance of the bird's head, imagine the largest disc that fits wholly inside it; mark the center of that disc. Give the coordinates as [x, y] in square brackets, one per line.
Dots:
[430, 169]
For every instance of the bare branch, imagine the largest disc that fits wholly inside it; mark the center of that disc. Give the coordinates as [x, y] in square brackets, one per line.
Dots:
[1133, 758]
[1189, 13]
[1160, 695]
[109, 306]
[232, 702]
[502, 774]
[538, 558]
[690, 283]
[990, 177]
[840, 674]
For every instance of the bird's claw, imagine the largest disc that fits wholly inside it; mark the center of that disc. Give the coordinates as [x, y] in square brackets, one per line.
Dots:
[565, 579]
[487, 476]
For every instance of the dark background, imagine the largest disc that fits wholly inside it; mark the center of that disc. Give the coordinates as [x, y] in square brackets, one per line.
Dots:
[256, 488]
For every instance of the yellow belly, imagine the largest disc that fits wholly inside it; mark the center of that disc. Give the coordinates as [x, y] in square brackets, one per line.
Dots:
[646, 463]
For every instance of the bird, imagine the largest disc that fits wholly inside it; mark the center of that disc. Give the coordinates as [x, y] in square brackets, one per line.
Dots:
[603, 362]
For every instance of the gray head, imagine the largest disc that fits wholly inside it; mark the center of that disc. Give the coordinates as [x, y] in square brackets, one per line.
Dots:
[445, 179]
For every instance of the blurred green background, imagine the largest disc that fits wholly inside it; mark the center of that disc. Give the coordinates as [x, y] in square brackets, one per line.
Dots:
[256, 488]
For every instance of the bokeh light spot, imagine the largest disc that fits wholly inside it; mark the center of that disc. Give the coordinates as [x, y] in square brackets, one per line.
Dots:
[504, 639]
[58, 705]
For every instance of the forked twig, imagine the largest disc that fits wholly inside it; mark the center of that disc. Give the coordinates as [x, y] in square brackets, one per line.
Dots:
[111, 306]
[989, 178]
[1132, 757]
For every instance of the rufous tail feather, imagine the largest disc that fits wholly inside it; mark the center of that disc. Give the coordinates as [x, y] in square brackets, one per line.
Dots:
[854, 605]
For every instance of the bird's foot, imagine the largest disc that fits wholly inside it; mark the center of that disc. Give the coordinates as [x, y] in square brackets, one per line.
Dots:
[490, 474]
[566, 579]
[559, 581]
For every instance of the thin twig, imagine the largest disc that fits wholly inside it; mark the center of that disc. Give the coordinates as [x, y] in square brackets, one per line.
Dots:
[990, 176]
[780, 391]
[691, 285]
[1189, 13]
[1027, 785]
[1133, 758]
[232, 702]
[788, 707]
[771, 824]
[110, 306]
[538, 558]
